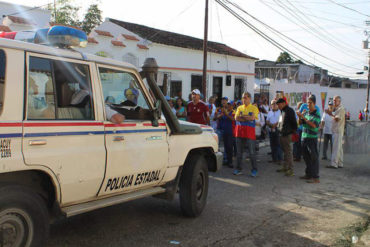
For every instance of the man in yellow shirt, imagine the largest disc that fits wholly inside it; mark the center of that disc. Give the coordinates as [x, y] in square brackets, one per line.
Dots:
[245, 133]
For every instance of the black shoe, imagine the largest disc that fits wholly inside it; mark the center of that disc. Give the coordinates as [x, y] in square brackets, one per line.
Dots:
[324, 158]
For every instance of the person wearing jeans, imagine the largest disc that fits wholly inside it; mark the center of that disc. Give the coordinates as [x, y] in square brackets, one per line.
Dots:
[245, 132]
[310, 121]
[272, 122]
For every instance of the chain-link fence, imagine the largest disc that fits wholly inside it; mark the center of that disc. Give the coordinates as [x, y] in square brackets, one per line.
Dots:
[357, 137]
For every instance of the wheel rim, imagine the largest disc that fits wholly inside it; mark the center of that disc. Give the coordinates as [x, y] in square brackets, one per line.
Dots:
[200, 185]
[16, 228]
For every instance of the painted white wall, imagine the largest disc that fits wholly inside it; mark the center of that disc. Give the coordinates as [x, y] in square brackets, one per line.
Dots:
[180, 62]
[40, 16]
[352, 99]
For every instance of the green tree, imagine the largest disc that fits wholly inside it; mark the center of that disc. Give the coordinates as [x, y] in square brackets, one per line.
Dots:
[93, 18]
[284, 57]
[64, 13]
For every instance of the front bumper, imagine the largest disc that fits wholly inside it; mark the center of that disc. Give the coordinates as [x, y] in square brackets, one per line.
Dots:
[219, 160]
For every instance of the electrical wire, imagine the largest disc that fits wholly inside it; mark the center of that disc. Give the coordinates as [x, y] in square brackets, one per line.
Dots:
[346, 7]
[264, 36]
[316, 31]
[304, 28]
[292, 40]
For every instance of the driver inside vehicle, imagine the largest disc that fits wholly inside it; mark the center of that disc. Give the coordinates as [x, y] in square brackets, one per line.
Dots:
[131, 94]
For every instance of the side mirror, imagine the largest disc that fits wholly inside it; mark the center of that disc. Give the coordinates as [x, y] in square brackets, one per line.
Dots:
[157, 111]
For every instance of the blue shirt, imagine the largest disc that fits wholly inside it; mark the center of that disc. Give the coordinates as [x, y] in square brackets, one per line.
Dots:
[226, 124]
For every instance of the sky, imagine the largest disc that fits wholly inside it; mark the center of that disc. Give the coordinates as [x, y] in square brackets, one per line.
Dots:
[332, 30]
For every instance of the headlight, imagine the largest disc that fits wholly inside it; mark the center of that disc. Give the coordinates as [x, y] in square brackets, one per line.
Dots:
[215, 136]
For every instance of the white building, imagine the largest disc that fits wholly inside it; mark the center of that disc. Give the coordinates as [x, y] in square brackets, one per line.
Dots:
[18, 17]
[180, 58]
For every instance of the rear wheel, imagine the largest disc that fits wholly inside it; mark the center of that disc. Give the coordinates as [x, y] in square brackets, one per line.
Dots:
[194, 186]
[23, 218]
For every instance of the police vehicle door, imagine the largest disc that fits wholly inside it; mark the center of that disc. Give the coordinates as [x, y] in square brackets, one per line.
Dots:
[137, 152]
[60, 130]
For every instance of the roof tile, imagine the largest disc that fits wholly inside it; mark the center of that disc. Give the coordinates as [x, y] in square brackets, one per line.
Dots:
[21, 20]
[143, 47]
[104, 33]
[117, 43]
[178, 40]
[4, 28]
[92, 40]
[130, 37]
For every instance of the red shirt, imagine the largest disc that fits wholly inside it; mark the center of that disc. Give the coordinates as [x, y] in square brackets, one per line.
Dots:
[197, 113]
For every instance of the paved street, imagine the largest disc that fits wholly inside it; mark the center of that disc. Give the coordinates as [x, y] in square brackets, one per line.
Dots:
[270, 210]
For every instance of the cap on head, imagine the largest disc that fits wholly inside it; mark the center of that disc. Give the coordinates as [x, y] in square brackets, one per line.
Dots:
[281, 100]
[168, 97]
[225, 98]
[196, 91]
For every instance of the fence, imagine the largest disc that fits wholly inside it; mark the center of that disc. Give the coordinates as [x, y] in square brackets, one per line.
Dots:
[357, 137]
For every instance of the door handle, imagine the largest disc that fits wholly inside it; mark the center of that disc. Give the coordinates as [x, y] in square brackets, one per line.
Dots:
[37, 142]
[118, 138]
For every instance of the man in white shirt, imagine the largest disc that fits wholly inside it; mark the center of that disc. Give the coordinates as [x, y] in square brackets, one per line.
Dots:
[113, 116]
[271, 123]
[337, 128]
[325, 126]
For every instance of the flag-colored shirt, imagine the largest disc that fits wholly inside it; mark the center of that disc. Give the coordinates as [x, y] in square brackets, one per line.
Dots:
[246, 129]
[308, 131]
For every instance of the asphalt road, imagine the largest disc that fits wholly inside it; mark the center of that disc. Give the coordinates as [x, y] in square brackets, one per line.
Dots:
[270, 210]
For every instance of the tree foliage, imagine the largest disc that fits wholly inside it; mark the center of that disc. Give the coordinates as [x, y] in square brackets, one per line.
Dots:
[65, 13]
[93, 18]
[284, 57]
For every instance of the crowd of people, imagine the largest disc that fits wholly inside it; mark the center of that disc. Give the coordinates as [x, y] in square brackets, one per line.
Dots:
[241, 124]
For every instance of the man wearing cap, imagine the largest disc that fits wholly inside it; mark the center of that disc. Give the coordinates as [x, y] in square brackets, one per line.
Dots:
[310, 121]
[287, 125]
[246, 116]
[325, 126]
[198, 111]
[272, 122]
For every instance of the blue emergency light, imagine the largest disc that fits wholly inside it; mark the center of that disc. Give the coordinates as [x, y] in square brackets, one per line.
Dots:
[66, 37]
[60, 36]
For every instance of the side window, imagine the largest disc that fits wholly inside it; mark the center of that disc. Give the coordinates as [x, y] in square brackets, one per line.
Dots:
[59, 90]
[122, 93]
[2, 78]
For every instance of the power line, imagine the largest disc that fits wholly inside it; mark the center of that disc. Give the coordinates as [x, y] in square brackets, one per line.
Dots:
[276, 31]
[320, 28]
[346, 7]
[307, 28]
[26, 10]
[264, 36]
[322, 34]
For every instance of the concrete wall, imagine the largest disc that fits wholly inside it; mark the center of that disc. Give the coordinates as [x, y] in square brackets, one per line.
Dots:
[352, 99]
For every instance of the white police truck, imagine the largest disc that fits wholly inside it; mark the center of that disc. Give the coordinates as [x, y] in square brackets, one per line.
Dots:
[60, 154]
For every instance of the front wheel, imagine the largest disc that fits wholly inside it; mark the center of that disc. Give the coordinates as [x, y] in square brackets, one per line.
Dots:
[194, 186]
[23, 218]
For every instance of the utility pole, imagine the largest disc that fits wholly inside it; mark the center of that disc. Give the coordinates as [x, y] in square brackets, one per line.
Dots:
[367, 92]
[205, 39]
[366, 46]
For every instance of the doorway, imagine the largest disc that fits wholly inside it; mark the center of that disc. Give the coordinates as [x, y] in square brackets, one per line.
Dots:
[238, 89]
[217, 89]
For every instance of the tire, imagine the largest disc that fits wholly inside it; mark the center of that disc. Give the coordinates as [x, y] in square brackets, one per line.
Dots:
[194, 186]
[24, 218]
